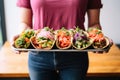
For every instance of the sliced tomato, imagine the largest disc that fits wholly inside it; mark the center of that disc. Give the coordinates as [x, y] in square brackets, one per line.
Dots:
[64, 41]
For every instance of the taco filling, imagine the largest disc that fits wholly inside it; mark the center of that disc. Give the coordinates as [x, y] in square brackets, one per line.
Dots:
[80, 39]
[22, 42]
[63, 39]
[44, 39]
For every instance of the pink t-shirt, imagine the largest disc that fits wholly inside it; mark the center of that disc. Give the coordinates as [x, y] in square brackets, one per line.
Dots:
[59, 13]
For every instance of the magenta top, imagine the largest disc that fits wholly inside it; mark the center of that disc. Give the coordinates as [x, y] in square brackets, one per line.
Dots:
[59, 13]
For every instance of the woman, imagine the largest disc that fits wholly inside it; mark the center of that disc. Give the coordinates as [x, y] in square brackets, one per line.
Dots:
[37, 14]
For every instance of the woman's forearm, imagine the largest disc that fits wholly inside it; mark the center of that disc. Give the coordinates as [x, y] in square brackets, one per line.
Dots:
[94, 18]
[25, 18]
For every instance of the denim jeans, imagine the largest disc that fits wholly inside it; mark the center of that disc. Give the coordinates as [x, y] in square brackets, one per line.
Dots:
[58, 65]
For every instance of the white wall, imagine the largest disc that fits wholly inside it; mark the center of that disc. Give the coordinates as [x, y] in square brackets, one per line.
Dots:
[110, 19]
[11, 14]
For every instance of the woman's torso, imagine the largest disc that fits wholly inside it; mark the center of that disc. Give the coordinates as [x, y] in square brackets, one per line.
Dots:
[58, 13]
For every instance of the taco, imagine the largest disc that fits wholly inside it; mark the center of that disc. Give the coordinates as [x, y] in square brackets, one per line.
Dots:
[44, 39]
[81, 40]
[100, 41]
[23, 41]
[63, 39]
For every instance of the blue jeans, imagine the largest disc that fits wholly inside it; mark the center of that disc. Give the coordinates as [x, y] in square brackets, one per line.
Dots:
[58, 65]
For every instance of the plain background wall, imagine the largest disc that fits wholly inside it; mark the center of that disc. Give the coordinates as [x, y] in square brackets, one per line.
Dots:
[110, 19]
